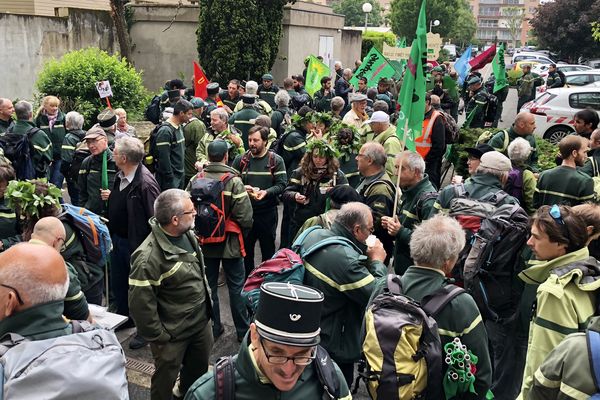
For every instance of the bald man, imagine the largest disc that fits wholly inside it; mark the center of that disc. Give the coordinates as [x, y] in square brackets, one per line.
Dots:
[524, 126]
[33, 285]
[6, 111]
[51, 232]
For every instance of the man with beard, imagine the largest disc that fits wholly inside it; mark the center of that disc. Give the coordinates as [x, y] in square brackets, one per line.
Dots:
[565, 184]
[264, 176]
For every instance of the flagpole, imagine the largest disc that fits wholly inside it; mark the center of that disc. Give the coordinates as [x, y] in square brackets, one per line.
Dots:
[398, 190]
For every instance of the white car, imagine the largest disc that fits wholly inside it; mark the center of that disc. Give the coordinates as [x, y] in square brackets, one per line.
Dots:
[542, 69]
[540, 58]
[582, 78]
[554, 110]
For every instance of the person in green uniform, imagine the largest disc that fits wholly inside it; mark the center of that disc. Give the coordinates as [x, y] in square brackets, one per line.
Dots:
[384, 133]
[52, 121]
[565, 184]
[264, 177]
[526, 85]
[6, 114]
[33, 285]
[267, 90]
[345, 139]
[243, 119]
[231, 96]
[323, 96]
[92, 195]
[73, 143]
[193, 133]
[169, 296]
[10, 231]
[280, 357]
[170, 148]
[524, 126]
[281, 118]
[219, 129]
[478, 109]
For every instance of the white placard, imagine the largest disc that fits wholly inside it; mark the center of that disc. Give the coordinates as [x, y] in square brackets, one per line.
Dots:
[103, 88]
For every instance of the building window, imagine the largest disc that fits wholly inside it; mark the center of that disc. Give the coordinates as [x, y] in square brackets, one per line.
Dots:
[488, 23]
[491, 11]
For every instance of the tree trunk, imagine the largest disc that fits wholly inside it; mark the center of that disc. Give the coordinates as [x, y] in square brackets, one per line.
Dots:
[118, 16]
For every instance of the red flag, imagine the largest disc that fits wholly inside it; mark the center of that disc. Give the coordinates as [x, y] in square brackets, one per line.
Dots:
[483, 59]
[200, 82]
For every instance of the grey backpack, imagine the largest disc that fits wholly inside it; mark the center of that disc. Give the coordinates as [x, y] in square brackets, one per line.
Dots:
[89, 364]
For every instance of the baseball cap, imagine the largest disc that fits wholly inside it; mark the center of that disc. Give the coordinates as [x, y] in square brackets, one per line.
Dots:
[474, 80]
[197, 102]
[217, 148]
[289, 314]
[496, 161]
[94, 132]
[267, 77]
[480, 150]
[378, 116]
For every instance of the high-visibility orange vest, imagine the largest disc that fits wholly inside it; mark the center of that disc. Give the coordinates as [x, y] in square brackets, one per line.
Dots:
[423, 142]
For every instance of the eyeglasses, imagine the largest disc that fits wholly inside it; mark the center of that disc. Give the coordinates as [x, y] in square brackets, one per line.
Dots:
[16, 293]
[557, 217]
[187, 212]
[280, 360]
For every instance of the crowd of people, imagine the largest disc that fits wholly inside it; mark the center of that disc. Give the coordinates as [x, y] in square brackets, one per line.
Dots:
[191, 202]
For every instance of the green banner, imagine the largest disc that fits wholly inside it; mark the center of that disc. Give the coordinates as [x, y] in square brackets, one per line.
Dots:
[401, 42]
[412, 94]
[499, 69]
[314, 73]
[374, 67]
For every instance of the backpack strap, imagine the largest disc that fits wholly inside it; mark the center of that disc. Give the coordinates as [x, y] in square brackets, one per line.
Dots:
[390, 186]
[327, 242]
[244, 162]
[327, 373]
[594, 166]
[422, 199]
[394, 284]
[300, 239]
[224, 377]
[459, 190]
[593, 342]
[435, 302]
[496, 198]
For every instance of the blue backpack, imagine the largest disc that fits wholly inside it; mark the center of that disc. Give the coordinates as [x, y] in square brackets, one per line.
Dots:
[91, 230]
[593, 341]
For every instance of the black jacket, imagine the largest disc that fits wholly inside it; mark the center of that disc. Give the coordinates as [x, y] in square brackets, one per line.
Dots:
[140, 205]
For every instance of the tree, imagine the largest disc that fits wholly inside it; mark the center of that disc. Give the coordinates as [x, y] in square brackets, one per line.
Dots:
[464, 27]
[513, 20]
[596, 31]
[354, 15]
[239, 39]
[118, 15]
[405, 13]
[564, 27]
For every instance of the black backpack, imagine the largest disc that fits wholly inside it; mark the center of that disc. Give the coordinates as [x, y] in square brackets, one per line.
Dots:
[278, 144]
[224, 376]
[209, 200]
[493, 259]
[563, 78]
[19, 150]
[491, 108]
[152, 112]
[450, 127]
[152, 144]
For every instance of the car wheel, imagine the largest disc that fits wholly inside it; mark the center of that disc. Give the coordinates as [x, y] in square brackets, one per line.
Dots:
[556, 133]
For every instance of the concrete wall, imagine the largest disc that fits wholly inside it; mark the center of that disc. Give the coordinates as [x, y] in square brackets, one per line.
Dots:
[28, 41]
[351, 45]
[164, 55]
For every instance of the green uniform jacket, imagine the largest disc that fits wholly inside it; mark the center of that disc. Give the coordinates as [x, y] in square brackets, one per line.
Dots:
[592, 164]
[566, 300]
[170, 154]
[42, 147]
[479, 100]
[4, 125]
[262, 106]
[349, 166]
[237, 208]
[500, 142]
[323, 101]
[56, 134]
[202, 149]
[169, 297]
[88, 274]
[90, 182]
[410, 215]
[347, 278]
[563, 185]
[243, 120]
[317, 201]
[294, 147]
[566, 373]
[69, 145]
[459, 319]
[477, 186]
[553, 80]
[324, 220]
[268, 95]
[193, 132]
[43, 321]
[258, 173]
[10, 232]
[251, 383]
[392, 146]
[228, 101]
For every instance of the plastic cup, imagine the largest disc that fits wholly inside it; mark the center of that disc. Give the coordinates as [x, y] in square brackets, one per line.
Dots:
[371, 240]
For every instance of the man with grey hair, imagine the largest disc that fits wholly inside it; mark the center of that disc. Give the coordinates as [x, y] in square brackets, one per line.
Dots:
[40, 146]
[416, 202]
[282, 114]
[169, 295]
[219, 129]
[73, 151]
[33, 285]
[337, 107]
[521, 180]
[487, 183]
[377, 190]
[434, 247]
[6, 114]
[345, 272]
[130, 206]
[342, 85]
[261, 106]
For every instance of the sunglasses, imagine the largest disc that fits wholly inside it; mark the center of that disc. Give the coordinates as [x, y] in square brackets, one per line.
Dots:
[557, 217]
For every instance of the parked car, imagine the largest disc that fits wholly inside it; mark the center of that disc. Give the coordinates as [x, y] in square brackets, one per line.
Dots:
[542, 69]
[540, 58]
[451, 49]
[582, 78]
[554, 110]
[594, 63]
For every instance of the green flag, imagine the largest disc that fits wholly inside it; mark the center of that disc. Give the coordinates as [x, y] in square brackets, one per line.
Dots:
[374, 67]
[412, 94]
[314, 73]
[401, 42]
[499, 69]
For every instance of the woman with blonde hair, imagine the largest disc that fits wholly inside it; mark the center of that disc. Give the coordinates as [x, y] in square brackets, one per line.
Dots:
[309, 185]
[52, 121]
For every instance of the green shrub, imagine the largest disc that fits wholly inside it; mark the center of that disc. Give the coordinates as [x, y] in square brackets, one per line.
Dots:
[547, 152]
[72, 78]
[372, 38]
[444, 55]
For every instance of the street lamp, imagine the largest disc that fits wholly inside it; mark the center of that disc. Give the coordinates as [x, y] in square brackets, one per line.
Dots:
[367, 8]
[433, 23]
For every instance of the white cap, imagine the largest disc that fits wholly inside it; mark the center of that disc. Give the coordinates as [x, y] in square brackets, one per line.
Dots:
[378, 116]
